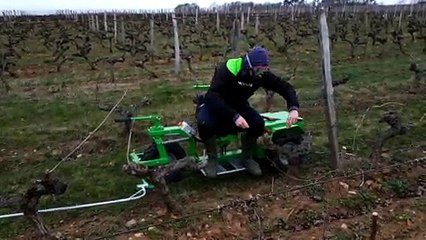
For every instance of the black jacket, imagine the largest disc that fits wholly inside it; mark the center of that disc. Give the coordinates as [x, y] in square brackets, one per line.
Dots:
[229, 92]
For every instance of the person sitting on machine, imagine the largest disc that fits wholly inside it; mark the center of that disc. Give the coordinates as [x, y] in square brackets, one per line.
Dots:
[225, 108]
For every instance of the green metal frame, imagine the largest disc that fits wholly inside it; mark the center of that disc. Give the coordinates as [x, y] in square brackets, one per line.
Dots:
[201, 86]
[158, 132]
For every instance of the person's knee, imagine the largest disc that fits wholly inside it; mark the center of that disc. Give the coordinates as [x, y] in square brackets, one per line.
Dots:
[205, 118]
[205, 123]
[257, 126]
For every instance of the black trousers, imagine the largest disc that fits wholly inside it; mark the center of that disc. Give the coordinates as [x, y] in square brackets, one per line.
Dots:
[211, 123]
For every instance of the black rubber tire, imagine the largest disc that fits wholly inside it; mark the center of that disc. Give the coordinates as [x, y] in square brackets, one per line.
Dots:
[272, 164]
[291, 140]
[175, 152]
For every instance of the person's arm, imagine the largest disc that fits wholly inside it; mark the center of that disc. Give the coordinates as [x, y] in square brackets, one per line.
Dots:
[271, 82]
[218, 85]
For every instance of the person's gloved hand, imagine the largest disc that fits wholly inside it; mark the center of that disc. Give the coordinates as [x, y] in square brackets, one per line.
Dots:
[293, 117]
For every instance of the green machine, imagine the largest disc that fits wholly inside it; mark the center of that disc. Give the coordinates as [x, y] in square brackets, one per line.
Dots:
[279, 145]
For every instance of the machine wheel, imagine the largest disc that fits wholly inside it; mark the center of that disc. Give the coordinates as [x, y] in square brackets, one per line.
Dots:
[273, 162]
[290, 151]
[175, 152]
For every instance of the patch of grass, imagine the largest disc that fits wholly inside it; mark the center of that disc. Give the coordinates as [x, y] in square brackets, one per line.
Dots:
[405, 217]
[315, 192]
[308, 216]
[421, 204]
[400, 187]
[363, 200]
[42, 122]
[341, 234]
[154, 233]
[183, 223]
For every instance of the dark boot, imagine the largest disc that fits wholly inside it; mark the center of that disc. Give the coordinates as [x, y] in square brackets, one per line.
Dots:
[248, 147]
[211, 150]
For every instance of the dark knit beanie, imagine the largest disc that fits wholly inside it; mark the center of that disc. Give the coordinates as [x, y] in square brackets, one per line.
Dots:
[258, 56]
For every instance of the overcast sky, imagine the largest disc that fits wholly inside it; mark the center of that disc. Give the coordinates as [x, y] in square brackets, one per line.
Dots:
[37, 5]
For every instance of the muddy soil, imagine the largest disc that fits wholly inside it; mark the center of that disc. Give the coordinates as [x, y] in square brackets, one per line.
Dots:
[336, 209]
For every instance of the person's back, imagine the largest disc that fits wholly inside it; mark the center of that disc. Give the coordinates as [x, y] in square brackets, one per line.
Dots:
[231, 84]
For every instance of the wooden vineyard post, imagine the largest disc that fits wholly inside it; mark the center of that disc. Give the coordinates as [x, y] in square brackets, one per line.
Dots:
[89, 17]
[123, 31]
[105, 22]
[400, 20]
[196, 16]
[217, 21]
[374, 226]
[256, 25]
[242, 21]
[328, 91]
[97, 23]
[115, 27]
[177, 49]
[235, 38]
[151, 34]
[248, 17]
